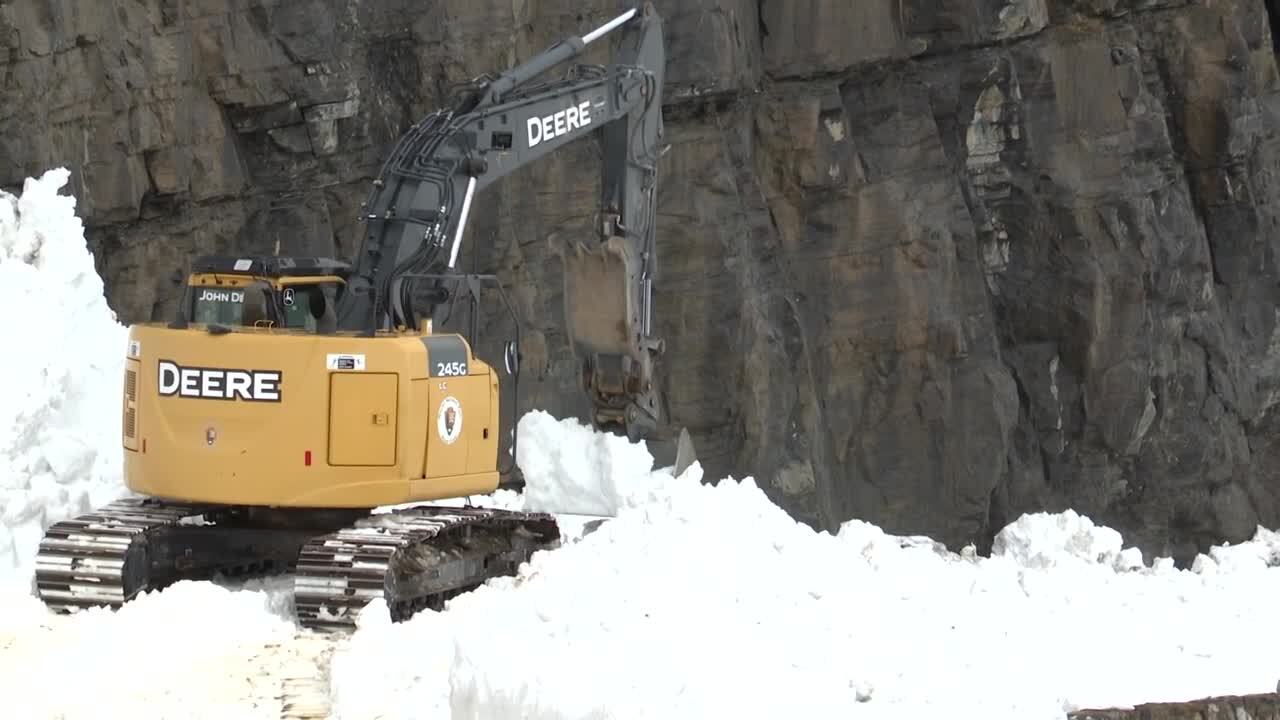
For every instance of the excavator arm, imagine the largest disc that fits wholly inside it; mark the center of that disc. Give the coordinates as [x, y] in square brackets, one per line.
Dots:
[416, 213]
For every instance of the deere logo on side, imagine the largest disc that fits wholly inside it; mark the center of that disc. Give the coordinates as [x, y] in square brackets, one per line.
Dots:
[559, 123]
[218, 383]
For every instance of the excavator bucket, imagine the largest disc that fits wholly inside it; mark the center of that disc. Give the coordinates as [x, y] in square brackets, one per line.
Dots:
[604, 313]
[600, 308]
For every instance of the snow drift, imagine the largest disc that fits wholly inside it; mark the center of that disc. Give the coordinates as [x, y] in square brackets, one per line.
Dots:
[60, 394]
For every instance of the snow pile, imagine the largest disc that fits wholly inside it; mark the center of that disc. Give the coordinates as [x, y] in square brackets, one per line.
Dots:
[568, 467]
[60, 416]
[1261, 553]
[1042, 540]
[709, 601]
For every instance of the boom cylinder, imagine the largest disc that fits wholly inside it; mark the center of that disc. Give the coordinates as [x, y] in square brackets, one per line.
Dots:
[607, 27]
[566, 49]
[462, 221]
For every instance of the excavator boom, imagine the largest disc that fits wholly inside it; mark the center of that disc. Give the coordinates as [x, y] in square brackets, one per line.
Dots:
[416, 213]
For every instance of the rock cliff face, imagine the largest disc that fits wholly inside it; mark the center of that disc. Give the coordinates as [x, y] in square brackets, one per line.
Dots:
[1255, 707]
[932, 263]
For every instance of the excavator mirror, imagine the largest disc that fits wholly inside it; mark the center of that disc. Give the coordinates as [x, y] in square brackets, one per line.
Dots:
[321, 306]
[511, 357]
[256, 312]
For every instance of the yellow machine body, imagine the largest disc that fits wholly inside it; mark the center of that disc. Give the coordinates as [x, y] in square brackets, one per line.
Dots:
[289, 418]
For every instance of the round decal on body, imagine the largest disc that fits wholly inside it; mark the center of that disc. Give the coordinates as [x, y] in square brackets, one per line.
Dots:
[449, 420]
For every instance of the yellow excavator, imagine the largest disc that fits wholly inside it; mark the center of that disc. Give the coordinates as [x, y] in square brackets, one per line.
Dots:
[291, 400]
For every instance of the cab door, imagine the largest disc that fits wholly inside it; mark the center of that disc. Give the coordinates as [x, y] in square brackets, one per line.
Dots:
[363, 410]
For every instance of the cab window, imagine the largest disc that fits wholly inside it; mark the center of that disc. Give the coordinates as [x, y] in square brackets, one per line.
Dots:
[218, 305]
[297, 302]
[246, 306]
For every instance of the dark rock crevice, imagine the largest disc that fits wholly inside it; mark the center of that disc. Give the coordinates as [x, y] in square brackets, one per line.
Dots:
[764, 27]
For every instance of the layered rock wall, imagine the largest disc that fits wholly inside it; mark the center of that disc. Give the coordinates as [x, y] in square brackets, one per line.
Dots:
[932, 263]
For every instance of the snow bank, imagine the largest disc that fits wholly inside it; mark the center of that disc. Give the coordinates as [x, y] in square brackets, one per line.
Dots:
[1043, 540]
[568, 467]
[60, 395]
[709, 601]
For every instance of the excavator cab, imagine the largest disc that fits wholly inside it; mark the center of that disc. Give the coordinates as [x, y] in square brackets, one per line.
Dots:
[275, 292]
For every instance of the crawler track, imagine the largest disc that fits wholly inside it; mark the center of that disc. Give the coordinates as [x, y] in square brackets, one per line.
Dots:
[101, 558]
[413, 558]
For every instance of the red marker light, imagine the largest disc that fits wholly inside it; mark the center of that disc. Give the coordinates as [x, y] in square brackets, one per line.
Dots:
[306, 458]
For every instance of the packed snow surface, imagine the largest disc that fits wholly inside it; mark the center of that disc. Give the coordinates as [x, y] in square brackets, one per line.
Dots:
[195, 650]
[692, 600]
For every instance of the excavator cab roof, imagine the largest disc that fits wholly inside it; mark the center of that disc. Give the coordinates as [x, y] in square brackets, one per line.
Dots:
[269, 266]
[263, 291]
